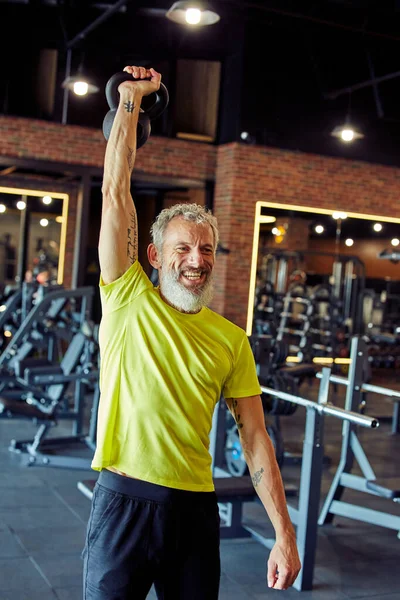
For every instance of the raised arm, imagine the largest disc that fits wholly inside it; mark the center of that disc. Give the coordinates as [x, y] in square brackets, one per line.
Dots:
[283, 563]
[118, 243]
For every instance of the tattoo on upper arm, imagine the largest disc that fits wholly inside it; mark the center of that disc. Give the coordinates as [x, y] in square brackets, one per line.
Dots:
[256, 478]
[129, 106]
[132, 248]
[130, 158]
[239, 425]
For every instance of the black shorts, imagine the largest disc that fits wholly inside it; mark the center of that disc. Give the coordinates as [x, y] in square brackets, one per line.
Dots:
[140, 533]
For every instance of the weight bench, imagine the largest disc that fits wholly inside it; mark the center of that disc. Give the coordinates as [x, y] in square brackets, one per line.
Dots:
[231, 492]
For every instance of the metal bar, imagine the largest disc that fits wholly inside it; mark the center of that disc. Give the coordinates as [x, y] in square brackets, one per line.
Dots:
[310, 491]
[396, 418]
[81, 233]
[377, 98]
[66, 90]
[25, 220]
[358, 483]
[363, 84]
[361, 457]
[80, 36]
[310, 487]
[365, 387]
[334, 411]
[367, 515]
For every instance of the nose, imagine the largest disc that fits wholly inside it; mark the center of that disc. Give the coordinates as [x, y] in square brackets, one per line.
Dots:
[196, 258]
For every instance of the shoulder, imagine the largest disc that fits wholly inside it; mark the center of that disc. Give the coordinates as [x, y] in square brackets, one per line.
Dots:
[224, 324]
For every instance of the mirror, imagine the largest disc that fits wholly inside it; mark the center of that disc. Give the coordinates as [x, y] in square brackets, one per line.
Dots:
[320, 276]
[33, 228]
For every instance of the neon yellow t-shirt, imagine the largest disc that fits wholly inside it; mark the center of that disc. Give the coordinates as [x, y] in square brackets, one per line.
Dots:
[162, 373]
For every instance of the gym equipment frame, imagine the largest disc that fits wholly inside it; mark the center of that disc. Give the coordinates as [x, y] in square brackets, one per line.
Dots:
[353, 450]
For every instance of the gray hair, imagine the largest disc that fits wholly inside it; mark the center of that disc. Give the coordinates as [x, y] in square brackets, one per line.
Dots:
[189, 212]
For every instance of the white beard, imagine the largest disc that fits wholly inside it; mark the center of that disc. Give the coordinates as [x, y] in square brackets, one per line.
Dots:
[180, 297]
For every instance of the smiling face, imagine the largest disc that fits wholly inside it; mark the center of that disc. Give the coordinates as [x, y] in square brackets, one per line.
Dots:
[185, 264]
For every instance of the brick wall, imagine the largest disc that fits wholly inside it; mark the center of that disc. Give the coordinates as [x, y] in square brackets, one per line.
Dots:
[29, 138]
[247, 174]
[243, 175]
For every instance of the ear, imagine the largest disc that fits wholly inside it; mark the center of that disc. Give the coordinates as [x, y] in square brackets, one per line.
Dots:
[153, 256]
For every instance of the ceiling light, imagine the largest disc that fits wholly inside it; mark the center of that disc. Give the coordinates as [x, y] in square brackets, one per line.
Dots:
[349, 242]
[395, 242]
[79, 85]
[346, 133]
[192, 13]
[377, 227]
[3, 208]
[47, 199]
[21, 205]
[275, 231]
[44, 222]
[319, 229]
[339, 215]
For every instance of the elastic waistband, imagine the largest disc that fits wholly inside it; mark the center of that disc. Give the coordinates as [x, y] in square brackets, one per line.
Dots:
[136, 488]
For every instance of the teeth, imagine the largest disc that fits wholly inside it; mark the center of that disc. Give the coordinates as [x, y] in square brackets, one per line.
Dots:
[192, 275]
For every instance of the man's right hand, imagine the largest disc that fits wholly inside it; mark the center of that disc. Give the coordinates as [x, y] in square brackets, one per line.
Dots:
[145, 81]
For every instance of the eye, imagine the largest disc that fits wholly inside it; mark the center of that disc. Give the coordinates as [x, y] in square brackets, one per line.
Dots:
[181, 248]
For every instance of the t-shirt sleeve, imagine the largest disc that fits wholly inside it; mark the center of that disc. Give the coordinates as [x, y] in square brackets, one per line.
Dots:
[125, 289]
[243, 379]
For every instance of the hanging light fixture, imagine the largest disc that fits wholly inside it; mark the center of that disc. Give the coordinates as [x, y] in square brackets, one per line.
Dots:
[192, 13]
[79, 83]
[347, 132]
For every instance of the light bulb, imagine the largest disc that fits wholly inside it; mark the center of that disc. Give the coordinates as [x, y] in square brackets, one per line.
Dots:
[395, 242]
[347, 135]
[377, 227]
[47, 199]
[349, 242]
[81, 88]
[319, 229]
[193, 16]
[3, 208]
[44, 222]
[21, 205]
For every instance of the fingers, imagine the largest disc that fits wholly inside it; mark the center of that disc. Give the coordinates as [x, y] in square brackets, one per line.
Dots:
[280, 578]
[272, 573]
[143, 73]
[156, 77]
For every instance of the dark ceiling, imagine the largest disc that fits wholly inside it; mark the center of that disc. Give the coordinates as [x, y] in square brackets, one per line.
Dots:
[291, 55]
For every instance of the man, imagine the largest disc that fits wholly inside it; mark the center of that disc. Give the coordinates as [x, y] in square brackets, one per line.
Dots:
[166, 360]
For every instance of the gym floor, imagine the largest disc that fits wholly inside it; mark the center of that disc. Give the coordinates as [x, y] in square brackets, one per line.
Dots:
[43, 519]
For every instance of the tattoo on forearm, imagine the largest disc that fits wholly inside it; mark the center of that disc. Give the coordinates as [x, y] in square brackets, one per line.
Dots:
[132, 247]
[239, 425]
[130, 158]
[129, 106]
[256, 478]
